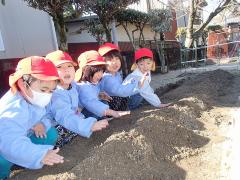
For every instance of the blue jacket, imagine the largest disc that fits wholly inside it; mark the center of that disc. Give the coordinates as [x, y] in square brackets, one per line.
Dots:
[88, 97]
[17, 117]
[64, 108]
[146, 91]
[113, 85]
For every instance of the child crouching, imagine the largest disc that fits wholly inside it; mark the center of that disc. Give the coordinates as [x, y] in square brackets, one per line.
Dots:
[91, 69]
[143, 65]
[26, 138]
[64, 107]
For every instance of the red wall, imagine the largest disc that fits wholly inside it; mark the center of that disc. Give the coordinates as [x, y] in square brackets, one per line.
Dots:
[171, 35]
[7, 67]
[214, 39]
[75, 49]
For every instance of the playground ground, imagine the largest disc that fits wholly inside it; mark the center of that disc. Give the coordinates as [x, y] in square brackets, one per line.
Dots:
[195, 138]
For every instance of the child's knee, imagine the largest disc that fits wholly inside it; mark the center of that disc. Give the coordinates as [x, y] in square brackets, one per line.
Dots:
[5, 167]
[52, 136]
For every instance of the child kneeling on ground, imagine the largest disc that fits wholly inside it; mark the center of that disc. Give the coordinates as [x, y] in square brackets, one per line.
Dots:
[143, 64]
[112, 82]
[64, 107]
[26, 138]
[90, 72]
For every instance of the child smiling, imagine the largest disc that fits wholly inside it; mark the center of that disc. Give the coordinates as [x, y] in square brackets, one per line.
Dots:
[144, 63]
[90, 72]
[112, 82]
[64, 107]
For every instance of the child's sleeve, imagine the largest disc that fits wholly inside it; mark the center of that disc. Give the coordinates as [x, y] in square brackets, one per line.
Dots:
[116, 87]
[69, 118]
[148, 94]
[47, 119]
[15, 146]
[90, 101]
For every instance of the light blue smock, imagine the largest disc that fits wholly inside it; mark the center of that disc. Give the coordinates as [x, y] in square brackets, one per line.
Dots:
[17, 117]
[146, 91]
[88, 97]
[114, 86]
[64, 109]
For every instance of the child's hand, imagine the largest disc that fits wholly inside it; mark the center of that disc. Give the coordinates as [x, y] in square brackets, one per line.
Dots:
[117, 114]
[39, 130]
[123, 113]
[104, 96]
[79, 110]
[142, 80]
[165, 105]
[99, 125]
[52, 157]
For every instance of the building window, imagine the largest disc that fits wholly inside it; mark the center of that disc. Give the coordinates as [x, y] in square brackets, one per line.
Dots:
[1, 42]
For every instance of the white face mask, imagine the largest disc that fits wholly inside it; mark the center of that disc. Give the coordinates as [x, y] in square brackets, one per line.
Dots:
[39, 98]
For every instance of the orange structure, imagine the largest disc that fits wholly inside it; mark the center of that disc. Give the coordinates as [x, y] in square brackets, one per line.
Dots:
[216, 50]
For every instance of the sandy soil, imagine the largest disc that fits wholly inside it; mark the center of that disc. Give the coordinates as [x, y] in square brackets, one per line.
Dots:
[183, 141]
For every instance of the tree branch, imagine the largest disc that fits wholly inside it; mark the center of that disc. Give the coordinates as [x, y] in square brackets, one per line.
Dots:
[212, 15]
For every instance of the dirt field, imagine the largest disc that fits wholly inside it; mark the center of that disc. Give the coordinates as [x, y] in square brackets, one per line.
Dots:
[183, 141]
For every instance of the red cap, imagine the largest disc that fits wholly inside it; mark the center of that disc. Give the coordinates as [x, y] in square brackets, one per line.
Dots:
[107, 47]
[37, 66]
[143, 52]
[90, 58]
[59, 57]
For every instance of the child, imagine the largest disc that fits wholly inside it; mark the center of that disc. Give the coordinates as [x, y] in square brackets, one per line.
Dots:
[21, 115]
[64, 105]
[111, 82]
[91, 69]
[144, 64]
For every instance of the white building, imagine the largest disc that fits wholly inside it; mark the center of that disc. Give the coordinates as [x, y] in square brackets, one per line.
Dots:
[75, 37]
[24, 31]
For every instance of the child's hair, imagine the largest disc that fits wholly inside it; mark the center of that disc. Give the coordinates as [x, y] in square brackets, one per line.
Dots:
[143, 58]
[112, 54]
[89, 71]
[28, 78]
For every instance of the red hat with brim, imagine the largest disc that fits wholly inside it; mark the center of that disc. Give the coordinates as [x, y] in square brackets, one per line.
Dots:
[143, 52]
[36, 66]
[59, 57]
[107, 47]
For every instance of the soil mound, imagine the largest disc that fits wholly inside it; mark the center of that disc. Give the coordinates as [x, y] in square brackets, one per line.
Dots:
[147, 143]
[207, 87]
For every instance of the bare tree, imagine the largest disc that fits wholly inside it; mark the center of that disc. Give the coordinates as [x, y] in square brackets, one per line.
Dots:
[193, 8]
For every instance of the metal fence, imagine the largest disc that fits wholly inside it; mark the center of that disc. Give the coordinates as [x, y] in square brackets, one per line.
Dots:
[201, 56]
[219, 54]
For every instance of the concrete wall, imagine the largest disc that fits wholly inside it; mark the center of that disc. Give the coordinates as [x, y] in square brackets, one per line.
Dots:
[84, 36]
[25, 31]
